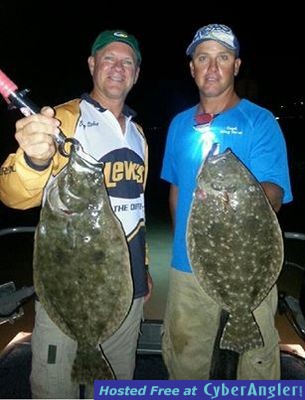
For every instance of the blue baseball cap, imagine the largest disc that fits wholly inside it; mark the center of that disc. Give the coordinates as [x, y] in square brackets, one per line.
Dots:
[220, 33]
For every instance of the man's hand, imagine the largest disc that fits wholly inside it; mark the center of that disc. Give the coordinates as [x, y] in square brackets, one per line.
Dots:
[274, 193]
[34, 135]
[150, 287]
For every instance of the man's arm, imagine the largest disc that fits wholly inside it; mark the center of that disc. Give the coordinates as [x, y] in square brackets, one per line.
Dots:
[274, 194]
[150, 285]
[173, 196]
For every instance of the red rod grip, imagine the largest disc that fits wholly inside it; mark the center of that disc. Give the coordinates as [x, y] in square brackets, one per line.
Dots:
[7, 87]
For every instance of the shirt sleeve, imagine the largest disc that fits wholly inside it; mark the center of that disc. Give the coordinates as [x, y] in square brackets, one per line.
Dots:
[269, 161]
[21, 186]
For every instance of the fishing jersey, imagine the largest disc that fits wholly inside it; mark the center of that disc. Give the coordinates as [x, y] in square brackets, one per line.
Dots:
[250, 131]
[125, 172]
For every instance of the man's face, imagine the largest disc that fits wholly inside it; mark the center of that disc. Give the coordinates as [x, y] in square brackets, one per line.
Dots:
[114, 70]
[213, 67]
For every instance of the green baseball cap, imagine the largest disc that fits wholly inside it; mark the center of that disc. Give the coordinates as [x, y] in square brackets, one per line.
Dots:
[107, 37]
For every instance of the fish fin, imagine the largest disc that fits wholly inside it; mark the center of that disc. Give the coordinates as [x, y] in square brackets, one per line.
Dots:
[89, 365]
[241, 334]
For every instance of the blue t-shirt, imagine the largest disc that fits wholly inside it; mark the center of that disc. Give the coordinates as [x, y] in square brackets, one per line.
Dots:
[250, 131]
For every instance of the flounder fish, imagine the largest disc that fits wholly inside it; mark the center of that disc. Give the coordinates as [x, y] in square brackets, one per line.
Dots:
[82, 271]
[235, 245]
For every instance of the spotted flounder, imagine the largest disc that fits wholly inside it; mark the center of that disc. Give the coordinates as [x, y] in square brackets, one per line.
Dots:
[81, 266]
[235, 245]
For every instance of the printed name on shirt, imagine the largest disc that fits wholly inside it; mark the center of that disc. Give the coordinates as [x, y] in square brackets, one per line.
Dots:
[7, 170]
[117, 171]
[88, 124]
[128, 207]
[231, 130]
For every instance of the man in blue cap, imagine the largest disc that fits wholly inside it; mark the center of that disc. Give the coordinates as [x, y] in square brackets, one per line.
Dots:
[253, 134]
[103, 124]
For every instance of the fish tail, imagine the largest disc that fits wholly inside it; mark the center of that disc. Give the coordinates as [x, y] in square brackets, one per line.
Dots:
[241, 334]
[89, 365]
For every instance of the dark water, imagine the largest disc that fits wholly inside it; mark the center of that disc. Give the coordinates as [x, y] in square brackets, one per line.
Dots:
[292, 215]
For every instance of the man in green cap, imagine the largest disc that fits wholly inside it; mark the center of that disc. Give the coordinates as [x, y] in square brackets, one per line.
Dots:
[103, 124]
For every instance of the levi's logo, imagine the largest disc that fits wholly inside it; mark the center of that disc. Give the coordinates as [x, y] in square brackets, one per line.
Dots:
[115, 172]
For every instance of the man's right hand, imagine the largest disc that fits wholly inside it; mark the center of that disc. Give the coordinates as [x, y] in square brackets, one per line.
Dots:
[34, 135]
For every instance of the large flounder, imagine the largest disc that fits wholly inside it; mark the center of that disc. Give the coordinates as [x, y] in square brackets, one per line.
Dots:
[234, 245]
[82, 269]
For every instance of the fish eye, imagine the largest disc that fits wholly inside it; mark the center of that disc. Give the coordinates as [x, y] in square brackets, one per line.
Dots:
[217, 186]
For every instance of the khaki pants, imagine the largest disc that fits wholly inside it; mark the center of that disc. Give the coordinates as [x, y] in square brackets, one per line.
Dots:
[190, 328]
[52, 379]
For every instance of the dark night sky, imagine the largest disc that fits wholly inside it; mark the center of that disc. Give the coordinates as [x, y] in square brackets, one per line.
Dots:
[44, 46]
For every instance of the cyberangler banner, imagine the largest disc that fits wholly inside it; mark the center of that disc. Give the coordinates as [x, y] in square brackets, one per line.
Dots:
[203, 390]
